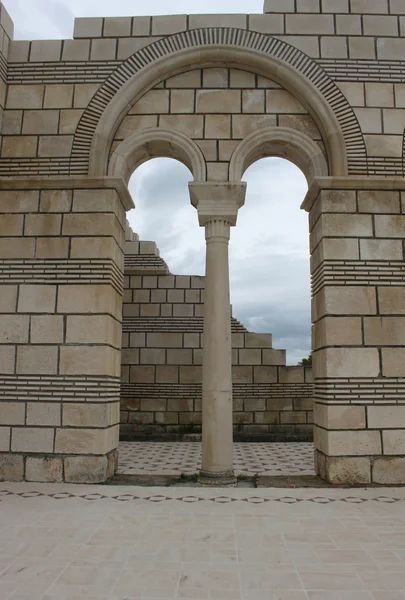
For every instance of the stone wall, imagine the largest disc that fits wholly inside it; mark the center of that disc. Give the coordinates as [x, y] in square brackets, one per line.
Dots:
[162, 357]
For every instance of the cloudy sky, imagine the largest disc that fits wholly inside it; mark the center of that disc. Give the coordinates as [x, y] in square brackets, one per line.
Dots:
[269, 247]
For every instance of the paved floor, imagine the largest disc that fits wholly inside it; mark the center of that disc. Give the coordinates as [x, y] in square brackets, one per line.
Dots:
[66, 542]
[145, 458]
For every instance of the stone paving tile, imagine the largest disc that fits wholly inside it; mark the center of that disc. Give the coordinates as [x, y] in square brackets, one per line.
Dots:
[71, 542]
[171, 458]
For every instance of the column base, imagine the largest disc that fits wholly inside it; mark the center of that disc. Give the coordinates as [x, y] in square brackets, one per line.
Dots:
[221, 479]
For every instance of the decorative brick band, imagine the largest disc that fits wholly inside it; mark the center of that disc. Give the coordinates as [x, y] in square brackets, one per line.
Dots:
[182, 324]
[360, 391]
[359, 272]
[59, 388]
[61, 72]
[226, 37]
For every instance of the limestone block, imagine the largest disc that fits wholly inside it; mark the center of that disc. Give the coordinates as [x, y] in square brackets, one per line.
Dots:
[310, 24]
[7, 359]
[265, 374]
[209, 149]
[258, 340]
[76, 50]
[396, 7]
[197, 282]
[167, 25]
[12, 122]
[84, 92]
[217, 20]
[14, 329]
[218, 101]
[384, 331]
[96, 201]
[128, 46]
[37, 299]
[117, 27]
[140, 374]
[8, 298]
[334, 248]
[380, 26]
[167, 374]
[243, 125]
[158, 296]
[379, 94]
[11, 225]
[335, 6]
[390, 48]
[47, 469]
[303, 404]
[344, 300]
[149, 310]
[97, 224]
[18, 51]
[19, 146]
[11, 466]
[183, 405]
[138, 340]
[250, 357]
[141, 296]
[391, 300]
[93, 329]
[354, 92]
[291, 375]
[89, 360]
[12, 413]
[394, 442]
[393, 360]
[56, 201]
[386, 417]
[85, 414]
[349, 471]
[42, 225]
[340, 417]
[182, 101]
[17, 248]
[244, 79]
[338, 331]
[389, 471]
[164, 340]
[362, 48]
[369, 119]
[189, 375]
[167, 418]
[217, 171]
[190, 79]
[267, 418]
[218, 127]
[38, 360]
[281, 101]
[308, 6]
[86, 441]
[270, 24]
[341, 225]
[381, 250]
[336, 201]
[333, 47]
[53, 145]
[47, 329]
[348, 443]
[44, 413]
[273, 6]
[274, 357]
[191, 340]
[387, 226]
[97, 247]
[32, 439]
[19, 201]
[45, 50]
[88, 27]
[58, 96]
[141, 26]
[193, 296]
[155, 101]
[242, 374]
[306, 43]
[347, 362]
[134, 124]
[215, 78]
[253, 101]
[180, 357]
[175, 296]
[379, 202]
[369, 6]
[152, 356]
[394, 121]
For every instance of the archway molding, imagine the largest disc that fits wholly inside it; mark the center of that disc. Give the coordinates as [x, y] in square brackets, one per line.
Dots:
[282, 142]
[156, 143]
[247, 50]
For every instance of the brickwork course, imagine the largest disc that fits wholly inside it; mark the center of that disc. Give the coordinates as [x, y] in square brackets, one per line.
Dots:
[319, 82]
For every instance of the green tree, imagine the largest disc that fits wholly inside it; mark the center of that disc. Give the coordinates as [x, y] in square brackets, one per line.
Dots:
[306, 362]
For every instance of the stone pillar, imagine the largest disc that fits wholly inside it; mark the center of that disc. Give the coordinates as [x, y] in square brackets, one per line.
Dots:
[217, 205]
[61, 272]
[357, 231]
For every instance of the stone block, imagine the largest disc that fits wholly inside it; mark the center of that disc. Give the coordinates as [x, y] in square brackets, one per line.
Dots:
[334, 47]
[267, 418]
[301, 404]
[18, 51]
[308, 6]
[215, 78]
[19, 146]
[89, 360]
[242, 374]
[17, 247]
[58, 96]
[164, 340]
[8, 298]
[69, 120]
[362, 48]
[217, 172]
[394, 441]
[93, 329]
[55, 146]
[152, 356]
[379, 95]
[183, 405]
[354, 92]
[193, 296]
[141, 26]
[369, 119]
[12, 122]
[250, 357]
[76, 50]
[394, 121]
[274, 357]
[44, 413]
[218, 101]
[348, 471]
[7, 359]
[42, 225]
[44, 470]
[344, 300]
[391, 300]
[217, 20]
[11, 225]
[390, 48]
[86, 414]
[52, 247]
[56, 201]
[150, 310]
[393, 361]
[253, 101]
[11, 467]
[89, 469]
[181, 101]
[338, 331]
[180, 357]
[273, 6]
[5, 437]
[191, 79]
[45, 51]
[335, 6]
[117, 27]
[255, 404]
[389, 226]
[265, 374]
[386, 417]
[191, 340]
[167, 374]
[270, 24]
[384, 331]
[290, 375]
[310, 24]
[244, 125]
[155, 101]
[175, 296]
[14, 329]
[389, 471]
[183, 310]
[19, 201]
[86, 441]
[97, 224]
[168, 418]
[168, 24]
[88, 27]
[12, 413]
[191, 375]
[37, 299]
[217, 127]
[380, 26]
[142, 374]
[191, 125]
[292, 418]
[381, 250]
[378, 7]
[346, 362]
[37, 360]
[348, 443]
[32, 439]
[384, 145]
[84, 92]
[340, 417]
[281, 101]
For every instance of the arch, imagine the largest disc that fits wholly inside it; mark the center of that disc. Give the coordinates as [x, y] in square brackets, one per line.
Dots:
[284, 143]
[154, 143]
[236, 48]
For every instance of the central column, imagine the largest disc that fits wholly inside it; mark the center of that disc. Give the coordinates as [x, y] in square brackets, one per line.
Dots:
[217, 205]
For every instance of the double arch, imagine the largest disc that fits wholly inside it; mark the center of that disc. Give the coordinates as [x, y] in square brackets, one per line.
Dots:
[208, 47]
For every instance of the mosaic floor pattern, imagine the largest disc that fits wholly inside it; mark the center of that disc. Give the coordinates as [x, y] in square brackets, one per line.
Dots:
[74, 542]
[170, 458]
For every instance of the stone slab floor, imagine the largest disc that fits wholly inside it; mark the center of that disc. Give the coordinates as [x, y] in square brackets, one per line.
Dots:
[67, 542]
[170, 458]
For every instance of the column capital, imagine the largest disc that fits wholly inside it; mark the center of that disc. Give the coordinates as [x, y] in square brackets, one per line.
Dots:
[217, 200]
